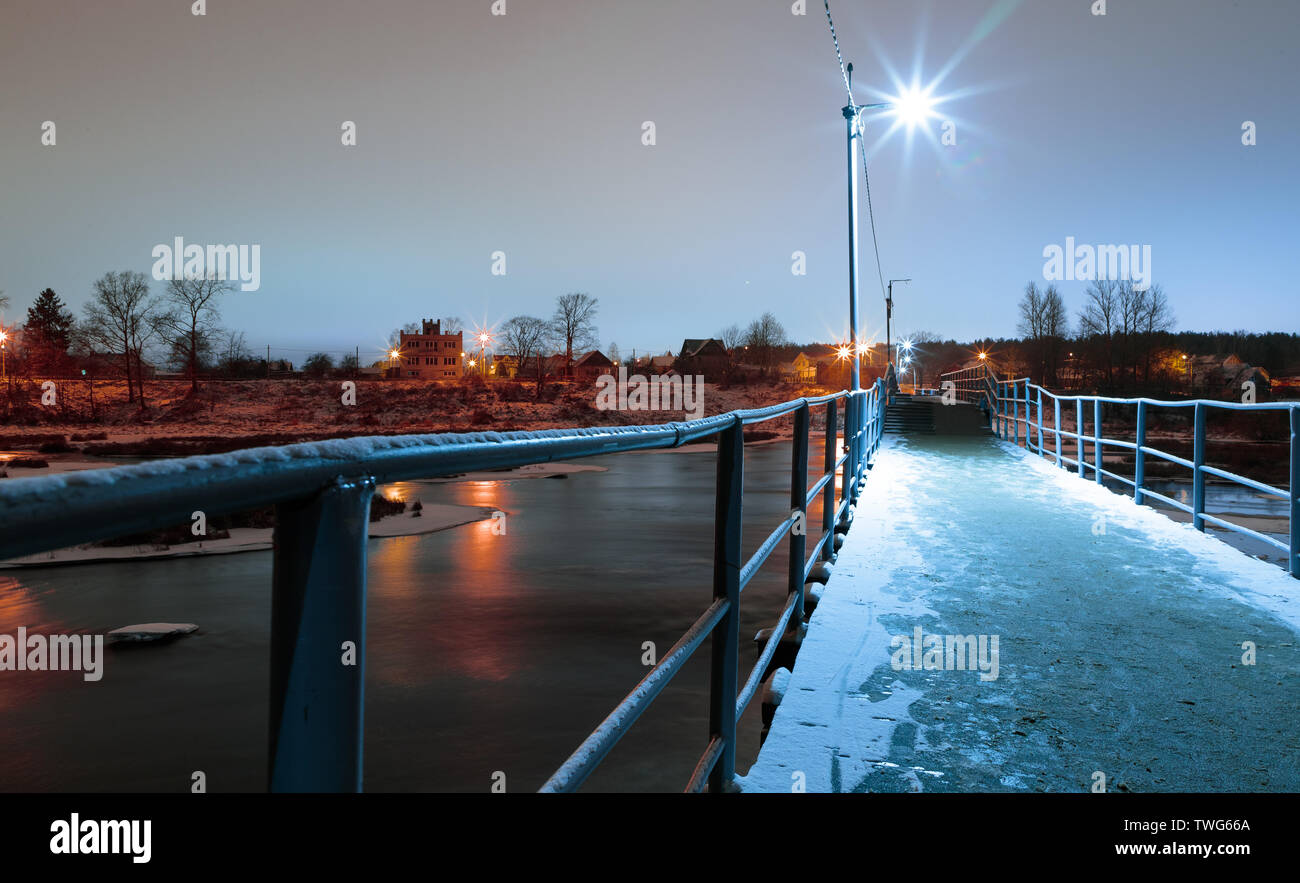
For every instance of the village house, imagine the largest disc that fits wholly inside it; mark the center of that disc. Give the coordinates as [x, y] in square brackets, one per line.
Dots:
[591, 366]
[801, 370]
[706, 356]
[429, 355]
[1223, 377]
[662, 365]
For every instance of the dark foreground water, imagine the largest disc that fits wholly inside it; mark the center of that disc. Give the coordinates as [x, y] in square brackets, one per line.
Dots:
[486, 653]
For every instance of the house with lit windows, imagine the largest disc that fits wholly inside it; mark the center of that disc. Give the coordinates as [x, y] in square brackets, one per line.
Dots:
[429, 355]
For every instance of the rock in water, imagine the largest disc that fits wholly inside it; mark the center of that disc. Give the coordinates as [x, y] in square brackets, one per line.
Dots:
[151, 631]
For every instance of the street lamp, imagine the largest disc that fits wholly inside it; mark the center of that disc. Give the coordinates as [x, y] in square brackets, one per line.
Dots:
[912, 106]
[484, 338]
[4, 342]
[889, 314]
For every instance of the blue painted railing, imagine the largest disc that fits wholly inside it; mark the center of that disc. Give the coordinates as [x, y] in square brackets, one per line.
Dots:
[321, 493]
[1004, 399]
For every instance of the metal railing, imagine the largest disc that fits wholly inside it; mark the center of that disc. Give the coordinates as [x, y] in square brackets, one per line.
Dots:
[321, 493]
[972, 385]
[1005, 399]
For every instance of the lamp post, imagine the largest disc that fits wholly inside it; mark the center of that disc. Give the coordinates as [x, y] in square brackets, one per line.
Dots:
[889, 314]
[914, 106]
[4, 343]
[484, 339]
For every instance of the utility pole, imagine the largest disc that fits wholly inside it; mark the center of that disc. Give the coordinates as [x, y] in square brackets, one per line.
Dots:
[268, 361]
[889, 315]
[851, 120]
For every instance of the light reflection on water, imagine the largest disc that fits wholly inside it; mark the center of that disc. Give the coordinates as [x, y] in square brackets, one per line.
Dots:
[485, 652]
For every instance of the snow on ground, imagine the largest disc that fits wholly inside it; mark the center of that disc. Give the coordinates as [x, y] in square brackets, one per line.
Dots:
[1120, 642]
[434, 517]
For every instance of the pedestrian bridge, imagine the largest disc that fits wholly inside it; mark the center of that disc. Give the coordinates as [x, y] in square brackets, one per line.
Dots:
[1114, 642]
[1084, 639]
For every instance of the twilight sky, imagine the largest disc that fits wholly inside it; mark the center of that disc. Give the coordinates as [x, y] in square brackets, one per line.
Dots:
[522, 133]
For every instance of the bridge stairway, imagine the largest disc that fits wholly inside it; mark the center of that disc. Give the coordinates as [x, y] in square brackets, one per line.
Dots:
[928, 415]
[908, 416]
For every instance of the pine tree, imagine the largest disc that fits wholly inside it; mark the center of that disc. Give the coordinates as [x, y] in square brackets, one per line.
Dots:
[48, 329]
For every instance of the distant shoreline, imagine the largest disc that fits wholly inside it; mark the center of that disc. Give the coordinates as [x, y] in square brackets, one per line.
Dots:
[434, 517]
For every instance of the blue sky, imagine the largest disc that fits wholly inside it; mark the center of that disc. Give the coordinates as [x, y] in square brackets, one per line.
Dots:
[522, 133]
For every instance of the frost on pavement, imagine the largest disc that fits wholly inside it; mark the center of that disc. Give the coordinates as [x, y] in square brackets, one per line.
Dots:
[1120, 648]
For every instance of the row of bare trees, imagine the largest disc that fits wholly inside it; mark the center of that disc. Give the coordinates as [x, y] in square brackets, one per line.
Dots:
[760, 342]
[1125, 326]
[1119, 331]
[123, 319]
[570, 329]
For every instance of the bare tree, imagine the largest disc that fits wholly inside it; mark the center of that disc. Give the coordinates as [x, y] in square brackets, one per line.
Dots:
[528, 337]
[233, 352]
[1044, 325]
[1099, 318]
[117, 319]
[731, 337]
[764, 335]
[452, 324]
[189, 317]
[613, 354]
[1155, 317]
[318, 366]
[574, 323]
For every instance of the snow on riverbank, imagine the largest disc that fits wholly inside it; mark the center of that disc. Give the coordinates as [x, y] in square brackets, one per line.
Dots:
[434, 517]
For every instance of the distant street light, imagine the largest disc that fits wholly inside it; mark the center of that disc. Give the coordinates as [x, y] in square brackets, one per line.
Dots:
[484, 338]
[4, 338]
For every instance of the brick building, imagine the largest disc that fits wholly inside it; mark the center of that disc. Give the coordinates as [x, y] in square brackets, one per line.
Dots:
[430, 355]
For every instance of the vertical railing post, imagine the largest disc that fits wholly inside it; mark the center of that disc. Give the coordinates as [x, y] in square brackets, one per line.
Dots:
[860, 470]
[318, 640]
[1029, 444]
[1294, 565]
[1139, 456]
[1040, 421]
[828, 493]
[1198, 460]
[1057, 402]
[1015, 413]
[1078, 436]
[727, 521]
[1002, 408]
[799, 504]
[846, 475]
[1096, 437]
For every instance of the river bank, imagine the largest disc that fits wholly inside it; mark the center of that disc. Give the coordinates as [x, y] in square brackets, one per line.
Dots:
[429, 518]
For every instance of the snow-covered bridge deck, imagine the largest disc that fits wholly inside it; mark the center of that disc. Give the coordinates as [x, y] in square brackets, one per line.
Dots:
[1119, 632]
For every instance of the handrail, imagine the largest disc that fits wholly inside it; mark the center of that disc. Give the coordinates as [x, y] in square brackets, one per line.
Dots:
[321, 492]
[1008, 422]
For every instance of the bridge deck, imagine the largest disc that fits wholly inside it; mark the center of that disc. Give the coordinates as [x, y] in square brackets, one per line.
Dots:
[1119, 651]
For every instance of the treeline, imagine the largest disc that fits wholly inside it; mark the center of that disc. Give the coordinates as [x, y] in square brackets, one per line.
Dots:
[122, 321]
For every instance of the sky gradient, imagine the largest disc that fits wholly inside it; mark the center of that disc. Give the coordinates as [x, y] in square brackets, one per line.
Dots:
[523, 133]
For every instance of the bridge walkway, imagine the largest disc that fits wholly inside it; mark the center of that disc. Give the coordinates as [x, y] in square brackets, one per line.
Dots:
[1119, 642]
